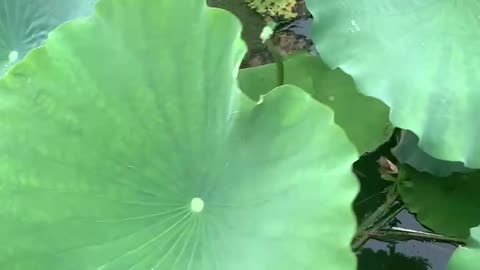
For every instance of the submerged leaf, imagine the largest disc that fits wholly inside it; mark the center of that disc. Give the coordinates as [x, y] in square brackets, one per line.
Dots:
[126, 144]
[419, 57]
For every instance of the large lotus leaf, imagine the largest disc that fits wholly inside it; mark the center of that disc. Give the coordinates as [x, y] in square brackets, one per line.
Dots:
[419, 57]
[25, 24]
[126, 144]
[467, 258]
[408, 152]
[365, 119]
[447, 205]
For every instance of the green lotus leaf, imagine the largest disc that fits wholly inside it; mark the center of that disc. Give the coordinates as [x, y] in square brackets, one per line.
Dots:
[128, 145]
[467, 258]
[408, 152]
[419, 57]
[437, 200]
[365, 119]
[25, 24]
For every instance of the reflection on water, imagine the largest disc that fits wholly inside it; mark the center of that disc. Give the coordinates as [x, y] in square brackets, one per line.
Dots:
[394, 255]
[435, 254]
[404, 255]
[390, 260]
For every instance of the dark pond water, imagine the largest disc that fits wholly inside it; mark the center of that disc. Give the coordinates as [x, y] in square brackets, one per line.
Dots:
[402, 255]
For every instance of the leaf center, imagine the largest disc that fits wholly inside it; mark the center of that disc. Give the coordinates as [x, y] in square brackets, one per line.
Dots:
[197, 205]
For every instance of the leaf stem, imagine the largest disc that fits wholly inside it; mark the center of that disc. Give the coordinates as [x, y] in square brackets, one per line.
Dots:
[372, 226]
[379, 218]
[277, 57]
[362, 237]
[396, 233]
[391, 198]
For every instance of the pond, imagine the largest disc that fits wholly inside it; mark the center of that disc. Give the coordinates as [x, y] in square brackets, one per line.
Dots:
[394, 255]
[374, 254]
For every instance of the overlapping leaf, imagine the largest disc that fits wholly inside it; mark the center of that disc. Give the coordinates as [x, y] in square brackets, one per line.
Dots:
[408, 152]
[419, 57]
[365, 119]
[126, 144]
[25, 24]
[447, 205]
[467, 258]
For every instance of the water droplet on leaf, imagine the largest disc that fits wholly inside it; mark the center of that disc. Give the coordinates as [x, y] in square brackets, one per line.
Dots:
[12, 56]
[356, 28]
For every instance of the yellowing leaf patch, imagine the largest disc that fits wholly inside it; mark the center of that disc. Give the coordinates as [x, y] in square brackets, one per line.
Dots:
[281, 8]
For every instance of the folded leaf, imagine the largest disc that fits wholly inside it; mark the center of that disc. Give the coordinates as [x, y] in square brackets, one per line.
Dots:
[408, 152]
